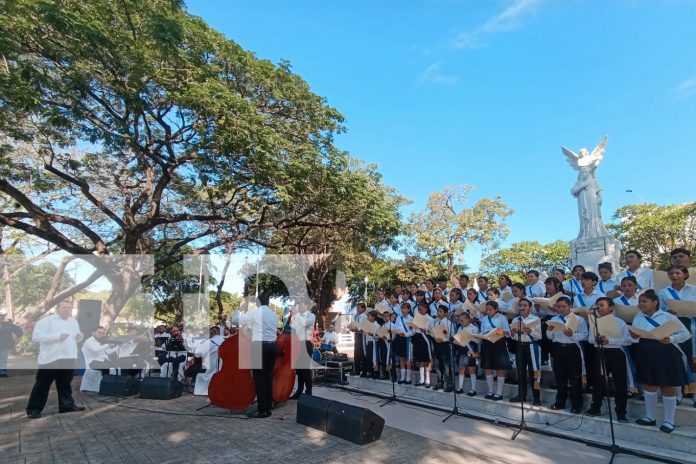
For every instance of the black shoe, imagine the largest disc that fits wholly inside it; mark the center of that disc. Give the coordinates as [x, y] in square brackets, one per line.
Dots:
[407, 382]
[295, 396]
[418, 384]
[259, 415]
[536, 403]
[489, 396]
[448, 390]
[471, 393]
[593, 412]
[73, 409]
[667, 427]
[437, 387]
[516, 399]
[459, 390]
[622, 419]
[363, 375]
[33, 414]
[575, 410]
[497, 397]
[556, 407]
[427, 385]
[646, 422]
[400, 382]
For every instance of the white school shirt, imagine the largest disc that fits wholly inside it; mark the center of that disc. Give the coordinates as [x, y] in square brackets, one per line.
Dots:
[434, 305]
[578, 336]
[662, 317]
[623, 300]
[536, 331]
[453, 307]
[371, 338]
[482, 296]
[428, 296]
[572, 286]
[624, 340]
[505, 290]
[472, 329]
[330, 337]
[605, 286]
[395, 309]
[643, 275]
[303, 324]
[443, 322]
[538, 290]
[582, 300]
[498, 322]
[47, 334]
[687, 293]
[401, 323]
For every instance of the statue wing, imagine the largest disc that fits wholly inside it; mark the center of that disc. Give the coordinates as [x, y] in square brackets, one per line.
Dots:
[598, 153]
[572, 158]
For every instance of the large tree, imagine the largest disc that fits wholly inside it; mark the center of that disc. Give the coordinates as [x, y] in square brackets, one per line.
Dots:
[134, 128]
[448, 226]
[654, 230]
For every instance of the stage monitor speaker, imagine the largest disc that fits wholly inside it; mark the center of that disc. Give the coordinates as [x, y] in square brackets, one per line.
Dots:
[352, 423]
[119, 385]
[88, 315]
[161, 388]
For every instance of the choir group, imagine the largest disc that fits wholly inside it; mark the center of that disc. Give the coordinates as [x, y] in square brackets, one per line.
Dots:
[464, 332]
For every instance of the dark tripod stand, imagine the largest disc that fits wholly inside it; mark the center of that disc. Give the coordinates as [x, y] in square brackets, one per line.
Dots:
[455, 406]
[613, 448]
[521, 377]
[390, 348]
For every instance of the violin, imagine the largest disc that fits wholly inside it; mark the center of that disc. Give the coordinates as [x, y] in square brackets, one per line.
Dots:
[232, 387]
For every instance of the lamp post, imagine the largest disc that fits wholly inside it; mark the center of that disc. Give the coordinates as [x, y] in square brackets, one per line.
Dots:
[367, 279]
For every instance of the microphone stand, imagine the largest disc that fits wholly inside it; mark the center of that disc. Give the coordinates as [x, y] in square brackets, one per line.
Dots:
[455, 406]
[392, 398]
[521, 382]
[613, 448]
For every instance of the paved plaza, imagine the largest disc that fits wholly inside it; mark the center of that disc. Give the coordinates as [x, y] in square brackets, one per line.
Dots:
[165, 432]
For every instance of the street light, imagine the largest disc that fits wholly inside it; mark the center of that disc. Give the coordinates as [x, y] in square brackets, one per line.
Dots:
[367, 279]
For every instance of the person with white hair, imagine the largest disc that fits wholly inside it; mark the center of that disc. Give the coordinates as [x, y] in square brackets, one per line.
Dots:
[9, 333]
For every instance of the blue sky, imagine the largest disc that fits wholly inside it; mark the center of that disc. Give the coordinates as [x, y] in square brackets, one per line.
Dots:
[485, 92]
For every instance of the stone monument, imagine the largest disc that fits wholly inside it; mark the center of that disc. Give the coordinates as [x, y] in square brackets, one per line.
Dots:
[593, 244]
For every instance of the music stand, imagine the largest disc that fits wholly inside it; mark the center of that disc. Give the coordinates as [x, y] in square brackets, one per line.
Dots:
[520, 374]
[392, 398]
[455, 406]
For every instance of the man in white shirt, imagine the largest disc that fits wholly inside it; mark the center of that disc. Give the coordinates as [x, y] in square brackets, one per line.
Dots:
[303, 324]
[96, 352]
[262, 322]
[330, 339]
[57, 335]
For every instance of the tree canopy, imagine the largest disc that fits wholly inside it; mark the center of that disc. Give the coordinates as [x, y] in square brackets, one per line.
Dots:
[135, 128]
[521, 257]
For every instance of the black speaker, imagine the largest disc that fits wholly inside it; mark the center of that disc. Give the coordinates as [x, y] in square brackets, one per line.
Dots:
[161, 388]
[88, 315]
[352, 423]
[119, 385]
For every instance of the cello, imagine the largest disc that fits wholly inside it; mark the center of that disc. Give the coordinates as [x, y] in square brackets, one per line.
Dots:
[287, 348]
[232, 387]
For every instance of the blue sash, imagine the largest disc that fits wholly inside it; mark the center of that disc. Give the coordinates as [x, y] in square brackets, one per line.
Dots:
[529, 290]
[562, 318]
[651, 321]
[577, 285]
[403, 324]
[624, 300]
[581, 300]
[490, 321]
[601, 287]
[630, 274]
[674, 293]
[483, 295]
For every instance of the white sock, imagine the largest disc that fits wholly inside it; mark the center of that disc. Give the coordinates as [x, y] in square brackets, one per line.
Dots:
[472, 380]
[670, 405]
[461, 380]
[680, 395]
[402, 374]
[421, 371]
[501, 384]
[427, 375]
[408, 374]
[651, 404]
[489, 381]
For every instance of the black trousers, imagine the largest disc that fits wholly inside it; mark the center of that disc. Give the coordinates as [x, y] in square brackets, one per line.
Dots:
[545, 344]
[62, 373]
[616, 366]
[525, 367]
[304, 376]
[358, 353]
[567, 369]
[443, 363]
[367, 359]
[263, 377]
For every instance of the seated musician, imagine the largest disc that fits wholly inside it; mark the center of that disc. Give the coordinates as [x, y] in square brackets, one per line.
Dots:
[174, 354]
[96, 354]
[203, 353]
[330, 340]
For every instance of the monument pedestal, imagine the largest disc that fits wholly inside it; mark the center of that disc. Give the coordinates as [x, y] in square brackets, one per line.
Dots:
[589, 252]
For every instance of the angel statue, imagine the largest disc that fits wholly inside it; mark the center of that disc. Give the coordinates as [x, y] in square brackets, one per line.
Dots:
[587, 190]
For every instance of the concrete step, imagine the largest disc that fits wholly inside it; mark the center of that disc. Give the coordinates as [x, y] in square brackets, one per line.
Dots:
[680, 445]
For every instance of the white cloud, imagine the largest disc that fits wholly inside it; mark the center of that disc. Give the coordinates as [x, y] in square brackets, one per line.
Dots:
[685, 89]
[510, 18]
[433, 75]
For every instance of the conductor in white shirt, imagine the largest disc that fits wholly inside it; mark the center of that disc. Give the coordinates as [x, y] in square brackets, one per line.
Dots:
[57, 335]
[303, 324]
[263, 324]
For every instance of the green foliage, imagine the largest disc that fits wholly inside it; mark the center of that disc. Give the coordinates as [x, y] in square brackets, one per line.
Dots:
[655, 230]
[447, 228]
[230, 303]
[521, 257]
